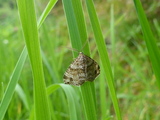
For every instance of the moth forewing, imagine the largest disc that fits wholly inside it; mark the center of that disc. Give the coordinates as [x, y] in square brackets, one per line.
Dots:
[81, 70]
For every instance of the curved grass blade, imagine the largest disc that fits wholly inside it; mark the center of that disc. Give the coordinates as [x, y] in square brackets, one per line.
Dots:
[71, 98]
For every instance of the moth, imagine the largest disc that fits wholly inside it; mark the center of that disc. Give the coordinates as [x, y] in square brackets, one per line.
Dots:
[82, 69]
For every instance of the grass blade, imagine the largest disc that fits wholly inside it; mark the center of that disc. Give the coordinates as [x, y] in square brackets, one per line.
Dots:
[46, 12]
[152, 47]
[17, 71]
[11, 86]
[71, 21]
[103, 99]
[72, 8]
[22, 95]
[103, 54]
[29, 25]
[71, 98]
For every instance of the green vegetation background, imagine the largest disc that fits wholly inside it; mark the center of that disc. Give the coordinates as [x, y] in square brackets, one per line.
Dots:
[135, 81]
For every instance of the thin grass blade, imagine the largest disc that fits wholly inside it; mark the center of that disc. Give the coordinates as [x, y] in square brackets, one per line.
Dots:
[150, 40]
[103, 99]
[11, 85]
[71, 98]
[22, 95]
[103, 54]
[46, 11]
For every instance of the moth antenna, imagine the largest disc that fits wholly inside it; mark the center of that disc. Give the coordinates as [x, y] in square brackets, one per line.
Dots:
[84, 45]
[72, 49]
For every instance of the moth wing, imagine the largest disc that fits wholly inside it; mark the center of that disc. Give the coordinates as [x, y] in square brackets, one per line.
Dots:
[82, 69]
[92, 69]
[75, 74]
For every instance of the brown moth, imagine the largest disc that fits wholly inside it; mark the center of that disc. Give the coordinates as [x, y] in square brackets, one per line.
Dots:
[81, 70]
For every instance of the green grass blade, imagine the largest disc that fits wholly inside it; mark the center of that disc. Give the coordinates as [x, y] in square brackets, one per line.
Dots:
[1, 90]
[29, 25]
[11, 86]
[72, 8]
[103, 99]
[72, 26]
[52, 88]
[77, 6]
[89, 101]
[71, 98]
[17, 71]
[152, 47]
[112, 36]
[103, 54]
[46, 12]
[22, 95]
[78, 11]
[50, 70]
